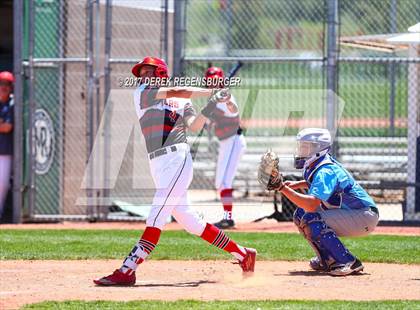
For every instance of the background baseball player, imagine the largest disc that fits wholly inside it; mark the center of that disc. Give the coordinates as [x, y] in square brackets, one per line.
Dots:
[336, 205]
[226, 120]
[165, 115]
[6, 134]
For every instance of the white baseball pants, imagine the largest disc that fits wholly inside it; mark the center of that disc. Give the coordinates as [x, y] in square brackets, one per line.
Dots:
[172, 174]
[230, 152]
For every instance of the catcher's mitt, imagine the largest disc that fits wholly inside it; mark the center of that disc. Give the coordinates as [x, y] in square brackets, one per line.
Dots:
[269, 174]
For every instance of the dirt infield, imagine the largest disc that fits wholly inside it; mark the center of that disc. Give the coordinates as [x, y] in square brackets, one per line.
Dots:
[265, 226]
[26, 282]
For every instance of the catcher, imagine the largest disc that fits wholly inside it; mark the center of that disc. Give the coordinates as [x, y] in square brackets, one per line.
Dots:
[335, 204]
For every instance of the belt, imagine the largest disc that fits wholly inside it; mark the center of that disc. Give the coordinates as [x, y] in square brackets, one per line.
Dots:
[375, 209]
[238, 132]
[162, 151]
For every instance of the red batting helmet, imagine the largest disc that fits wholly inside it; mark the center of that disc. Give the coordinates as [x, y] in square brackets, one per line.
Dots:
[160, 65]
[214, 72]
[7, 76]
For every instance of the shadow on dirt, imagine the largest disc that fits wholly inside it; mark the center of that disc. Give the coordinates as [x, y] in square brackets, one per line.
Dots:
[180, 284]
[311, 273]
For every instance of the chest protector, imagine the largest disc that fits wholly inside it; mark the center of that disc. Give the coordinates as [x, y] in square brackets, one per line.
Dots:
[335, 200]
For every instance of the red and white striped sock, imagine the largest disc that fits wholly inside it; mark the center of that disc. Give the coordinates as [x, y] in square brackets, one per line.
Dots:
[141, 250]
[218, 238]
[227, 200]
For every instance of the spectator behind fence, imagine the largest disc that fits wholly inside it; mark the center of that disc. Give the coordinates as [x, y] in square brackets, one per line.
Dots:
[6, 134]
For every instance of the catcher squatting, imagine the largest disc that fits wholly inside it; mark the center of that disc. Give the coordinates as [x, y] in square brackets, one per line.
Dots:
[335, 203]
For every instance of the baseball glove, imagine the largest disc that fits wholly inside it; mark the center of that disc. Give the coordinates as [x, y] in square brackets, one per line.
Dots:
[269, 174]
[219, 95]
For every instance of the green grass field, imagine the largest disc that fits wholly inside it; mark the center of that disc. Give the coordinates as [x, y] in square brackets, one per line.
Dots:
[225, 305]
[178, 245]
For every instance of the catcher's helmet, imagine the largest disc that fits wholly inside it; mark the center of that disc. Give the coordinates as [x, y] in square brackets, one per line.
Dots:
[160, 65]
[7, 76]
[312, 143]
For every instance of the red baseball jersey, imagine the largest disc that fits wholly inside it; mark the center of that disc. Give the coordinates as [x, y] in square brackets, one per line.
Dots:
[226, 118]
[162, 121]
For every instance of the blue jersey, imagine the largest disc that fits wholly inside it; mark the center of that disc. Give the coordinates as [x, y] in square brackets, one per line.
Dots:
[331, 183]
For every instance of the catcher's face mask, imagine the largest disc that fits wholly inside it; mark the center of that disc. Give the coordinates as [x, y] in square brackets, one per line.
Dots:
[312, 143]
[307, 152]
[304, 151]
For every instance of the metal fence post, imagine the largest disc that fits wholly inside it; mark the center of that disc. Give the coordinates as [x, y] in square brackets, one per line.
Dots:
[332, 56]
[229, 18]
[31, 179]
[392, 67]
[164, 31]
[107, 85]
[89, 103]
[18, 100]
[97, 77]
[61, 67]
[179, 36]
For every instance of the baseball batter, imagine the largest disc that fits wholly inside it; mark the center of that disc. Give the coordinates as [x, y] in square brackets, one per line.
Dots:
[335, 205]
[232, 145]
[165, 114]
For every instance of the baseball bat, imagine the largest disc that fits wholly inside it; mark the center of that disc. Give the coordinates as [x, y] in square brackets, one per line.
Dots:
[235, 69]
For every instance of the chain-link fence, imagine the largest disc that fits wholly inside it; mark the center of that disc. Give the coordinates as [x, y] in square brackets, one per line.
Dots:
[55, 87]
[69, 68]
[286, 47]
[306, 63]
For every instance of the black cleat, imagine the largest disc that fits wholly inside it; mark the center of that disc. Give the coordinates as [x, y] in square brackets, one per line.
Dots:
[225, 224]
[347, 269]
